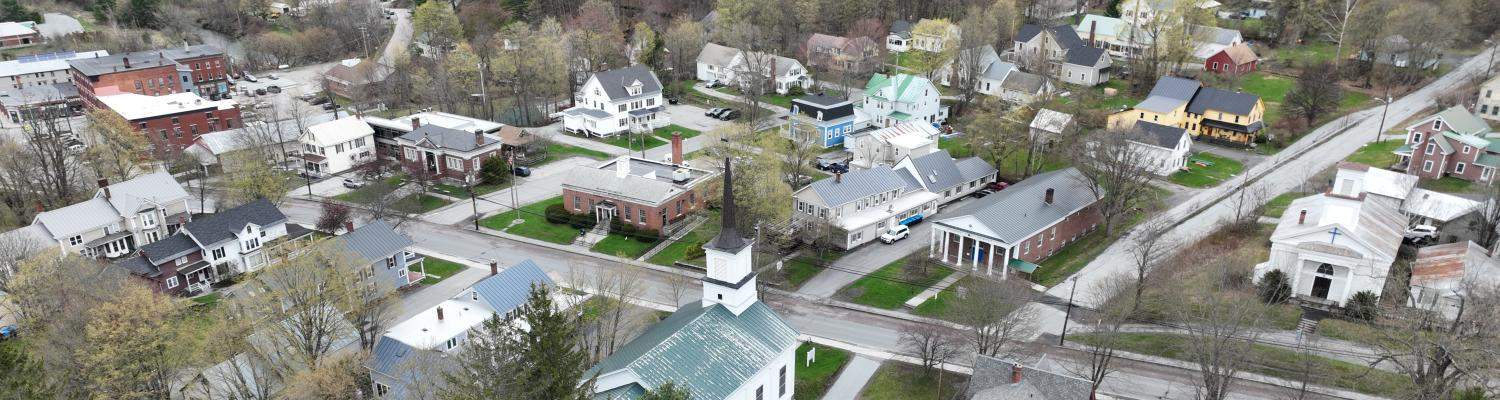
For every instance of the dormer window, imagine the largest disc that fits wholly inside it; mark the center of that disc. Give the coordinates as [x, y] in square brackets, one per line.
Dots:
[1437, 125]
[634, 89]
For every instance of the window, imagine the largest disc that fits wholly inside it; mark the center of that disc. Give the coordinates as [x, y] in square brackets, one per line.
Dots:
[171, 282]
[1325, 269]
[642, 215]
[1459, 168]
[1430, 148]
[338, 148]
[218, 253]
[577, 201]
[1427, 166]
[1437, 125]
[390, 262]
[452, 342]
[75, 240]
[622, 108]
[359, 142]
[1466, 149]
[626, 213]
[148, 219]
[782, 388]
[252, 244]
[411, 154]
[1484, 108]
[1416, 137]
[381, 389]
[455, 163]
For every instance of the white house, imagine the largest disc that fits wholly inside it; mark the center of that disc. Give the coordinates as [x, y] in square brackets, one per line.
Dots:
[336, 146]
[892, 99]
[864, 203]
[995, 77]
[619, 100]
[1061, 52]
[1142, 12]
[1335, 244]
[898, 40]
[1163, 149]
[42, 69]
[207, 250]
[1488, 105]
[116, 220]
[733, 66]
[729, 345]
[888, 145]
[1444, 275]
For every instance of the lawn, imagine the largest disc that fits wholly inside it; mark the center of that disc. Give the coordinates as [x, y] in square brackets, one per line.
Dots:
[665, 132]
[805, 266]
[937, 305]
[370, 193]
[1074, 256]
[769, 98]
[419, 203]
[207, 300]
[1309, 53]
[892, 285]
[559, 151]
[1273, 361]
[439, 269]
[1378, 154]
[1277, 206]
[1270, 88]
[1011, 167]
[630, 141]
[900, 381]
[1447, 184]
[1218, 170]
[1120, 101]
[813, 380]
[678, 250]
[534, 223]
[617, 244]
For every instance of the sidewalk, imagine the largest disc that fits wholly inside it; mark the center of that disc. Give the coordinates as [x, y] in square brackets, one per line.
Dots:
[853, 379]
[934, 290]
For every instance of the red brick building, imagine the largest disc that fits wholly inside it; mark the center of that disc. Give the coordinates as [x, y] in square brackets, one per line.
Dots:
[1237, 59]
[638, 192]
[1019, 226]
[17, 34]
[172, 122]
[199, 69]
[447, 153]
[1450, 143]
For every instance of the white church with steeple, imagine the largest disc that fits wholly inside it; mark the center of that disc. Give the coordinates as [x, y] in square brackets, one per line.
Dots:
[729, 345]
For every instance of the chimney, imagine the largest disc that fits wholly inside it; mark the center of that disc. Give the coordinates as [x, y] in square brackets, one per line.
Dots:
[126, 60]
[478, 138]
[1015, 373]
[838, 177]
[494, 268]
[1093, 26]
[104, 185]
[440, 313]
[39, 207]
[676, 148]
[1302, 217]
[1048, 199]
[348, 226]
[415, 122]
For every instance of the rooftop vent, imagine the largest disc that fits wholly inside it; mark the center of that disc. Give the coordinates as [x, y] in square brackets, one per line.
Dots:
[681, 175]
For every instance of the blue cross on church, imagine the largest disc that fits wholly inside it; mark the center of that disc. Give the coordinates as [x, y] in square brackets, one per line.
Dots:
[1334, 235]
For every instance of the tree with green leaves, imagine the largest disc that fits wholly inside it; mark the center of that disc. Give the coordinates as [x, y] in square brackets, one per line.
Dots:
[133, 346]
[141, 13]
[12, 10]
[435, 23]
[530, 353]
[668, 391]
[494, 171]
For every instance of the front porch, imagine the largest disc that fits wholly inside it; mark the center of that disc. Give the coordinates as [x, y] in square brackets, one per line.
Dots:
[959, 248]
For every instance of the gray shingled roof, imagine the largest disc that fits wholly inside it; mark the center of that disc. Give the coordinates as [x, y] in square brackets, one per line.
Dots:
[140, 266]
[709, 350]
[1067, 37]
[992, 381]
[615, 81]
[447, 138]
[1155, 134]
[223, 225]
[1209, 98]
[169, 248]
[901, 28]
[511, 288]
[375, 241]
[1023, 82]
[1014, 214]
[832, 108]
[717, 54]
[939, 171]
[859, 184]
[142, 59]
[1084, 55]
[1169, 93]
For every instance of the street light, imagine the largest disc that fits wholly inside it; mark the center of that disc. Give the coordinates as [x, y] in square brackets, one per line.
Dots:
[473, 202]
[1069, 315]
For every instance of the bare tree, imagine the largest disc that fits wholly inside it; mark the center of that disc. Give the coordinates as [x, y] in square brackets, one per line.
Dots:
[305, 302]
[14, 249]
[1149, 246]
[1116, 172]
[932, 345]
[1218, 326]
[1334, 16]
[1112, 315]
[995, 313]
[1440, 352]
[1246, 200]
[53, 297]
[1486, 224]
[980, 27]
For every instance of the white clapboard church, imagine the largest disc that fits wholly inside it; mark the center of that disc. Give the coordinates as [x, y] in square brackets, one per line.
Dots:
[729, 345]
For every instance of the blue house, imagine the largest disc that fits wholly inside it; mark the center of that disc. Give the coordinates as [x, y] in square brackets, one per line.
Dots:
[383, 250]
[831, 118]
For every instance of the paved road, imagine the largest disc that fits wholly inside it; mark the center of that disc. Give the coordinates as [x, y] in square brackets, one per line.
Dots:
[400, 37]
[57, 25]
[853, 379]
[1282, 173]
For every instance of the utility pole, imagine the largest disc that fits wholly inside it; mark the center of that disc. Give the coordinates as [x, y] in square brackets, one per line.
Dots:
[202, 190]
[483, 95]
[364, 38]
[474, 202]
[515, 202]
[1387, 101]
[1069, 315]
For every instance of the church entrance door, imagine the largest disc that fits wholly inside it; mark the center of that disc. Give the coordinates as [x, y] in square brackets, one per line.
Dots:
[1320, 287]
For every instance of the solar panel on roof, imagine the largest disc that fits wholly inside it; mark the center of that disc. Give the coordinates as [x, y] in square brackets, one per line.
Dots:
[60, 55]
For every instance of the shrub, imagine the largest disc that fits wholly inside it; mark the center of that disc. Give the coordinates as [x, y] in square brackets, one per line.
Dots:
[693, 253]
[557, 214]
[1364, 305]
[796, 91]
[494, 171]
[1274, 287]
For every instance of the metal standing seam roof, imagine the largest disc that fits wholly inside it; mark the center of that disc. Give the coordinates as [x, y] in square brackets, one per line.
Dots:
[630, 188]
[859, 184]
[939, 171]
[899, 88]
[126, 199]
[1169, 93]
[709, 350]
[509, 289]
[1216, 99]
[1471, 140]
[1105, 25]
[375, 241]
[1460, 120]
[446, 138]
[1050, 120]
[614, 81]
[901, 28]
[223, 225]
[1014, 214]
[1374, 221]
[1447, 265]
[339, 131]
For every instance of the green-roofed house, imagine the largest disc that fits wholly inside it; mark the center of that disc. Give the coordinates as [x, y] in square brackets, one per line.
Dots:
[729, 345]
[1455, 143]
[892, 99]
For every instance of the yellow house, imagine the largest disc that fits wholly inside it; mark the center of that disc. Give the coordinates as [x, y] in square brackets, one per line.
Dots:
[1211, 114]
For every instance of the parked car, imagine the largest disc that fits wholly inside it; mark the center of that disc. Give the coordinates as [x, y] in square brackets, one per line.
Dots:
[329, 106]
[353, 183]
[273, 89]
[318, 100]
[521, 171]
[673, 100]
[979, 194]
[308, 97]
[1421, 233]
[714, 111]
[260, 92]
[998, 185]
[897, 232]
[729, 115]
[250, 78]
[713, 85]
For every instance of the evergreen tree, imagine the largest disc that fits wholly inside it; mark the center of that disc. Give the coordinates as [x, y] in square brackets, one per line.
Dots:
[12, 10]
[484, 365]
[530, 353]
[668, 391]
[494, 171]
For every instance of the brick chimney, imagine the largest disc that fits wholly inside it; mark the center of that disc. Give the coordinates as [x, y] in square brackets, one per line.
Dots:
[126, 60]
[494, 268]
[440, 313]
[1015, 373]
[415, 122]
[676, 148]
[838, 177]
[478, 138]
[1093, 26]
[104, 185]
[1302, 217]
[348, 226]
[1048, 198]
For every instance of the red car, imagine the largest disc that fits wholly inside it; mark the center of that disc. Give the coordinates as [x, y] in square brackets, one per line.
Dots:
[998, 185]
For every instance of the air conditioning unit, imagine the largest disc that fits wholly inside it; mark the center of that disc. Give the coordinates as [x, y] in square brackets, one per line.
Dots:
[681, 175]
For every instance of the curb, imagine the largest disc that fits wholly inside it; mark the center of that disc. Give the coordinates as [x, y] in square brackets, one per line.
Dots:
[1242, 375]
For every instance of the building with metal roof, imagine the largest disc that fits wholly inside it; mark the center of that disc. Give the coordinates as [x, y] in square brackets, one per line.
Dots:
[999, 379]
[117, 219]
[1017, 227]
[1454, 143]
[892, 99]
[384, 251]
[1444, 275]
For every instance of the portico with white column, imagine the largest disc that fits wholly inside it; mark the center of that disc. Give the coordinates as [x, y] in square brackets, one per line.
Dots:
[959, 248]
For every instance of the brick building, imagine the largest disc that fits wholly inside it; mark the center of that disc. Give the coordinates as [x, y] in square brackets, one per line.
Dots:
[199, 69]
[173, 121]
[18, 34]
[1019, 226]
[1452, 143]
[642, 193]
[447, 153]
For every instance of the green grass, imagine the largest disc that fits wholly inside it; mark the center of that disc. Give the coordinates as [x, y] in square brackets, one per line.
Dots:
[1198, 176]
[900, 381]
[889, 287]
[616, 244]
[1378, 154]
[630, 141]
[1074, 256]
[1013, 166]
[1272, 361]
[677, 251]
[771, 98]
[1309, 53]
[813, 380]
[419, 203]
[1270, 88]
[665, 132]
[534, 223]
[1277, 205]
[1446, 184]
[208, 300]
[559, 151]
[439, 269]
[804, 267]
[937, 306]
[370, 193]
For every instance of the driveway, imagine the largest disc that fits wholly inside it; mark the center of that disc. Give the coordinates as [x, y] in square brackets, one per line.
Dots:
[58, 25]
[544, 183]
[870, 257]
[400, 37]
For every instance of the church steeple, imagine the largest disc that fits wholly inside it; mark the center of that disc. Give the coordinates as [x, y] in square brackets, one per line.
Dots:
[730, 280]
